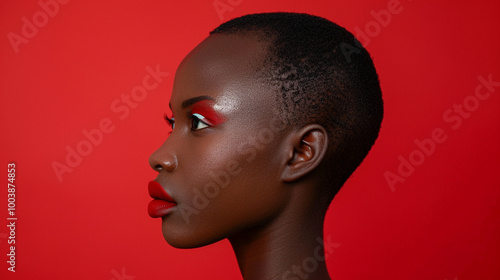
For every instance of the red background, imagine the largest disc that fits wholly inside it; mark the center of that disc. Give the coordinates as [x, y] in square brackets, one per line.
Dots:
[442, 222]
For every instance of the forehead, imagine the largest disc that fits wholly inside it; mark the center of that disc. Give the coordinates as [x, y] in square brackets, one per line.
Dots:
[222, 67]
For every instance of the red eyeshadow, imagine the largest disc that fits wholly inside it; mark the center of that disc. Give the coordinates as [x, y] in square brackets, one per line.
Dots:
[205, 108]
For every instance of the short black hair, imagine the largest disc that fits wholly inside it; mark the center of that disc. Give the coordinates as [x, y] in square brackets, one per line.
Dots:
[321, 74]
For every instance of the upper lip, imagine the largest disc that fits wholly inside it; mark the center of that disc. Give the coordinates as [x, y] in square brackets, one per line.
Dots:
[156, 191]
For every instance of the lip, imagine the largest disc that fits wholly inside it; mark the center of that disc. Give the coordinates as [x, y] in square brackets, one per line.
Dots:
[162, 203]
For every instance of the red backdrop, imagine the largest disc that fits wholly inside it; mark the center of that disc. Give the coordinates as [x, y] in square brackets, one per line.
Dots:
[425, 204]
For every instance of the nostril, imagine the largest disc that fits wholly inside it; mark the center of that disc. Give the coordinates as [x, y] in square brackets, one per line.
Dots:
[161, 162]
[158, 167]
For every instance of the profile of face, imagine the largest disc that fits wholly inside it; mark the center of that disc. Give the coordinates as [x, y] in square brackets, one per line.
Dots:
[220, 168]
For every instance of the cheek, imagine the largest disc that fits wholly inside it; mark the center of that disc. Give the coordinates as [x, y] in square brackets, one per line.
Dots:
[205, 182]
[205, 169]
[245, 190]
[225, 185]
[257, 191]
[204, 159]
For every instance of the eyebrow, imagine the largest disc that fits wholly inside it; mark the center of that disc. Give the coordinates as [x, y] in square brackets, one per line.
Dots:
[191, 101]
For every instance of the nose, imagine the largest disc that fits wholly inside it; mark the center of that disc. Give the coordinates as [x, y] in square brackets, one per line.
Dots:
[163, 160]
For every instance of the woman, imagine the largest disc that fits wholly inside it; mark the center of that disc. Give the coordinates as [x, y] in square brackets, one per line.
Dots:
[271, 114]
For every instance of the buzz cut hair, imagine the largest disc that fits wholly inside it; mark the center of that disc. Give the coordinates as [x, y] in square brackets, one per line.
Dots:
[321, 74]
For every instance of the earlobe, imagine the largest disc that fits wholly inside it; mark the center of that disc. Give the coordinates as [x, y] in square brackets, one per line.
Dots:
[305, 152]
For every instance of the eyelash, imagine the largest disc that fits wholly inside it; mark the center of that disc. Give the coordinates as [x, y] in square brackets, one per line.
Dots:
[196, 119]
[170, 121]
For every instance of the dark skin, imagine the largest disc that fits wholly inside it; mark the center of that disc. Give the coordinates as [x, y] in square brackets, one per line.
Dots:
[267, 205]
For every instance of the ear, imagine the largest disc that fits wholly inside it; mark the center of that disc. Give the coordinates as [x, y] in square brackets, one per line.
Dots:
[306, 150]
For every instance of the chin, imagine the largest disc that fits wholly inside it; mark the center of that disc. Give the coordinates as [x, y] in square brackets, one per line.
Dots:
[187, 238]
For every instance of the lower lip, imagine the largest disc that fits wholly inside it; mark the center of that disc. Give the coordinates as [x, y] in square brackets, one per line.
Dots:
[160, 208]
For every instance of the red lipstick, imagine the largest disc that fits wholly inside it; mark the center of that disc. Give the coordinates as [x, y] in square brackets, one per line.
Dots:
[162, 203]
[205, 109]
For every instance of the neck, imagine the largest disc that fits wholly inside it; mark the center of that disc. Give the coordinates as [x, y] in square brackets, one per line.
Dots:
[285, 248]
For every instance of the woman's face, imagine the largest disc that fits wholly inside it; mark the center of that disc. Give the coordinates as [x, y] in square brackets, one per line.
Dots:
[223, 160]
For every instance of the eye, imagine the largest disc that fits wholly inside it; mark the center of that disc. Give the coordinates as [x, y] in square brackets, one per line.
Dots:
[198, 122]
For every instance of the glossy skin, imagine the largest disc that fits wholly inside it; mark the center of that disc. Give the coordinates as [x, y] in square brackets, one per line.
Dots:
[271, 222]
